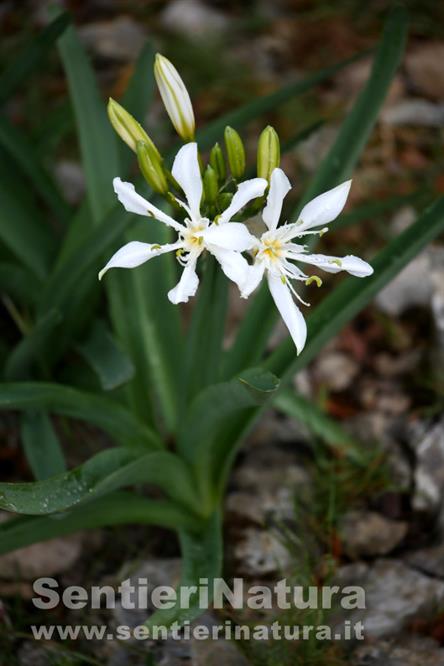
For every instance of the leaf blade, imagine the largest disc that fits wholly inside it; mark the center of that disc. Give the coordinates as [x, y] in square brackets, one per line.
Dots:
[60, 399]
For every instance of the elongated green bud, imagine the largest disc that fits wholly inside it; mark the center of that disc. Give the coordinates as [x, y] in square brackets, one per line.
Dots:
[223, 201]
[217, 161]
[127, 127]
[235, 151]
[151, 168]
[211, 185]
[268, 153]
[175, 97]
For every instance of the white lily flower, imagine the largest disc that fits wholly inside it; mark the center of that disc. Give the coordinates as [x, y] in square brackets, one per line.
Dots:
[196, 234]
[275, 251]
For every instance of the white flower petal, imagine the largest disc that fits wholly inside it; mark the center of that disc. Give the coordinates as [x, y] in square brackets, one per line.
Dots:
[233, 264]
[289, 311]
[351, 264]
[187, 285]
[324, 208]
[134, 203]
[135, 253]
[233, 236]
[254, 276]
[246, 191]
[356, 266]
[279, 187]
[186, 171]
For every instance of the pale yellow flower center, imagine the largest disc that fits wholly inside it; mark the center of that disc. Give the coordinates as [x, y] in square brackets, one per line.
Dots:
[192, 238]
[272, 248]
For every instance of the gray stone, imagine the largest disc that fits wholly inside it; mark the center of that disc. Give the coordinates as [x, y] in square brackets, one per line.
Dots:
[192, 18]
[395, 595]
[266, 483]
[428, 560]
[424, 68]
[414, 286]
[261, 553]
[408, 651]
[429, 472]
[415, 112]
[376, 428]
[437, 302]
[311, 151]
[32, 654]
[156, 572]
[42, 559]
[367, 534]
[119, 39]
[219, 651]
[336, 370]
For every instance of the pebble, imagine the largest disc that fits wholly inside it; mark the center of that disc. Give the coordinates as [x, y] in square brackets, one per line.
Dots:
[47, 558]
[120, 39]
[369, 534]
[336, 370]
[414, 112]
[429, 473]
[260, 553]
[407, 651]
[395, 595]
[423, 66]
[192, 18]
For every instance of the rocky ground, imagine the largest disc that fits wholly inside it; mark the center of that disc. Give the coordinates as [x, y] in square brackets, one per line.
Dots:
[297, 506]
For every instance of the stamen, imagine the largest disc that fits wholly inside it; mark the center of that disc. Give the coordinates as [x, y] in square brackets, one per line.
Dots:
[314, 278]
[294, 292]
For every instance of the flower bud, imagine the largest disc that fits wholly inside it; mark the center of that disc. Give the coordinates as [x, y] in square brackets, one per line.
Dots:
[175, 97]
[127, 127]
[235, 151]
[223, 201]
[268, 153]
[151, 168]
[217, 161]
[211, 185]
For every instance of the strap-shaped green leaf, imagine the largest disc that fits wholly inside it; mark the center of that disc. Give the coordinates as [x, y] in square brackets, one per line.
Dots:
[97, 141]
[208, 414]
[105, 472]
[201, 558]
[203, 350]
[41, 445]
[28, 351]
[113, 509]
[32, 57]
[21, 149]
[23, 230]
[148, 326]
[15, 281]
[318, 423]
[103, 412]
[217, 403]
[108, 360]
